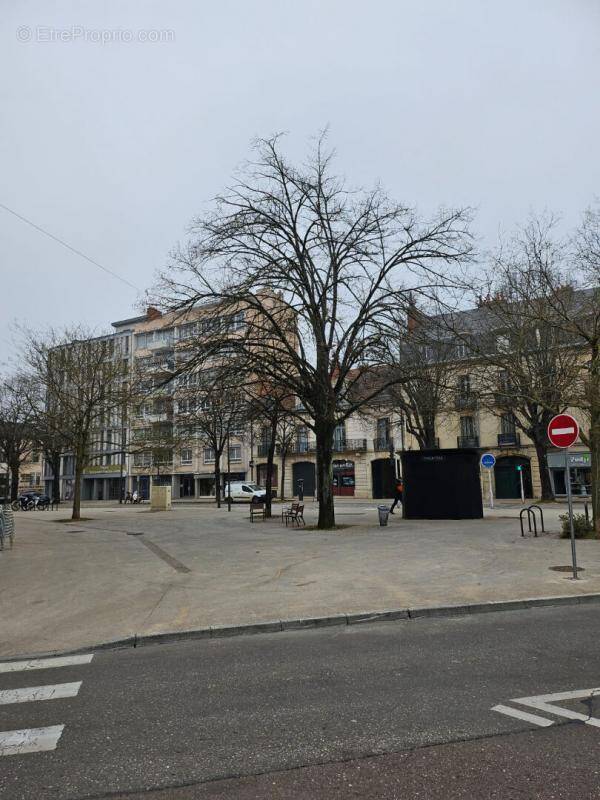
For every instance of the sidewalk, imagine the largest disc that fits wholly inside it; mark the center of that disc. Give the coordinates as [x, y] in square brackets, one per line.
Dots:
[129, 571]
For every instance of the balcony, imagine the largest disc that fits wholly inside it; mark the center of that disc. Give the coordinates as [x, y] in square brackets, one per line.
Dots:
[347, 445]
[383, 444]
[509, 439]
[303, 446]
[467, 441]
[503, 398]
[465, 401]
[263, 450]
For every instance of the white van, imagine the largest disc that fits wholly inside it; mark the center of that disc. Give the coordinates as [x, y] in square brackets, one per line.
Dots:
[244, 492]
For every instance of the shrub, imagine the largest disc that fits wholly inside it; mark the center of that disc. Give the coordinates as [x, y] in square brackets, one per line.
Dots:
[582, 527]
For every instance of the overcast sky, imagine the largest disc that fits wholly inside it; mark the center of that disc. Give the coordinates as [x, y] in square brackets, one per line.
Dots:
[114, 146]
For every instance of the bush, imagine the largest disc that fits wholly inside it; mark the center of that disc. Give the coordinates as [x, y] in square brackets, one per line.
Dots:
[582, 527]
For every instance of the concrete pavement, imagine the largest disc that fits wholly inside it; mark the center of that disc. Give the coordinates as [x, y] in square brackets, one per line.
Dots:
[395, 710]
[128, 571]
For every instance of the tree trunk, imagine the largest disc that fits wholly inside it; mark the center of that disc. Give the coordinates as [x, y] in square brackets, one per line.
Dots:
[77, 489]
[218, 479]
[325, 478]
[283, 455]
[55, 464]
[542, 459]
[269, 479]
[14, 478]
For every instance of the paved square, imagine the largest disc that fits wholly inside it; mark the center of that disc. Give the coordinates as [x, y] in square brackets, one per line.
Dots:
[129, 571]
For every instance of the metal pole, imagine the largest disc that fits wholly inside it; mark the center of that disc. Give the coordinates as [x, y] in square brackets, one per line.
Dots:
[571, 525]
[491, 492]
[522, 489]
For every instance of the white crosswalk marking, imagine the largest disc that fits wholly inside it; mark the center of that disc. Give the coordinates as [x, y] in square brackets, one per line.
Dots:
[33, 740]
[33, 693]
[46, 663]
[29, 740]
[513, 712]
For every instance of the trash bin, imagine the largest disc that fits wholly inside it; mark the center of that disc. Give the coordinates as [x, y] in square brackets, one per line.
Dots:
[384, 513]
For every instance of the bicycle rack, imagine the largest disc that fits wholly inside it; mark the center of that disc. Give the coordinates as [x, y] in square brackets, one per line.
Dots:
[531, 517]
[534, 506]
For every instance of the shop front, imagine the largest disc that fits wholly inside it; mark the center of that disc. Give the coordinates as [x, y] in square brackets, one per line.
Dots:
[581, 473]
[344, 479]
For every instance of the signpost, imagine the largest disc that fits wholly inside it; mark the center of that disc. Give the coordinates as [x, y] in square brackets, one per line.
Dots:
[563, 431]
[520, 471]
[488, 461]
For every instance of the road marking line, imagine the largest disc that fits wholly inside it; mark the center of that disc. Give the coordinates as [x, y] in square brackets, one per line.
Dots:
[513, 712]
[33, 693]
[546, 702]
[29, 740]
[45, 663]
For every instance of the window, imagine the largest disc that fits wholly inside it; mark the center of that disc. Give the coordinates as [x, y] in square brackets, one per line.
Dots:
[142, 459]
[35, 457]
[467, 427]
[508, 424]
[464, 385]
[302, 438]
[502, 343]
[187, 405]
[187, 331]
[209, 455]
[237, 321]
[462, 350]
[383, 430]
[235, 452]
[186, 456]
[339, 437]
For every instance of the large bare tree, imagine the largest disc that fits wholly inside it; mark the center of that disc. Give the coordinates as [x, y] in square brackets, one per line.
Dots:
[320, 271]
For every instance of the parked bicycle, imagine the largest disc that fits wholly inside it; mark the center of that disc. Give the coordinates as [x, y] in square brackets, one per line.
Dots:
[28, 501]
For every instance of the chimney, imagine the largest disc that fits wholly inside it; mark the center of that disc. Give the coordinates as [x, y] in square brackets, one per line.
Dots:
[412, 315]
[153, 313]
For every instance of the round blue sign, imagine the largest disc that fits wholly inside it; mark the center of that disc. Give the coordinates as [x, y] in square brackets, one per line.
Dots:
[488, 460]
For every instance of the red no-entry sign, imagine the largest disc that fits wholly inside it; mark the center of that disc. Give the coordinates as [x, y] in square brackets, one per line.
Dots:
[563, 430]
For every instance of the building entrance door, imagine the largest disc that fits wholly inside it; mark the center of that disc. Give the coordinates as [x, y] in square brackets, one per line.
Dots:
[508, 481]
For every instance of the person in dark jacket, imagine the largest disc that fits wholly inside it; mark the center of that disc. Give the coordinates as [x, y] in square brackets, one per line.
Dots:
[398, 497]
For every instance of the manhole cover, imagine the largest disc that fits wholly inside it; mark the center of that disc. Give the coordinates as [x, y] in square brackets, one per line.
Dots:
[567, 569]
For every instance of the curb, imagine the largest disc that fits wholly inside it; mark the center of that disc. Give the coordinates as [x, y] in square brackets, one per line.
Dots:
[306, 623]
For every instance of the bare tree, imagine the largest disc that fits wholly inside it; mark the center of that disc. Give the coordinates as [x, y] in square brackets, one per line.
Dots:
[16, 432]
[212, 407]
[83, 380]
[542, 355]
[320, 272]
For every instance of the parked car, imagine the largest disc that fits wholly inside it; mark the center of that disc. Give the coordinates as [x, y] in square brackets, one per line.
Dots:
[244, 492]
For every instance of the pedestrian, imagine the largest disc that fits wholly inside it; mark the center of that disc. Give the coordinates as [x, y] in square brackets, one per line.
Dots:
[398, 497]
[135, 496]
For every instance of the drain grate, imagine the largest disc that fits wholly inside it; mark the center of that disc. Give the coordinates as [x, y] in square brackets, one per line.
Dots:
[567, 569]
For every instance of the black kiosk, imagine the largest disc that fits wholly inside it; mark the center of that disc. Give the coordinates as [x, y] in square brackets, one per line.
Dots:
[442, 484]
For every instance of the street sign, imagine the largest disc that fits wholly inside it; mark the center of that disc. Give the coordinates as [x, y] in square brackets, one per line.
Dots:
[488, 460]
[563, 430]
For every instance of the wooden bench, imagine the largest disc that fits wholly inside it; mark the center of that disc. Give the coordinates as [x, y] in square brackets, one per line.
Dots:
[257, 511]
[296, 515]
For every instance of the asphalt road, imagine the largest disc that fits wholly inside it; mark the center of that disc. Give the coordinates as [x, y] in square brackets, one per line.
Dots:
[400, 709]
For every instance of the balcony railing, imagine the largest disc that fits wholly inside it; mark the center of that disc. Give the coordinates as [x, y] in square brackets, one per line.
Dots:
[503, 398]
[345, 445]
[509, 440]
[465, 401]
[385, 444]
[263, 449]
[303, 446]
[468, 441]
